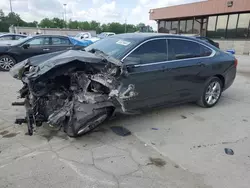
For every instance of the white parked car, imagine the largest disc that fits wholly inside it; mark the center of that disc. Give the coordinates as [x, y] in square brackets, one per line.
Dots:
[105, 34]
[86, 36]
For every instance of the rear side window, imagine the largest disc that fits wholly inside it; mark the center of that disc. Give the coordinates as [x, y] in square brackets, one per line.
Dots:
[17, 37]
[60, 41]
[184, 49]
[151, 52]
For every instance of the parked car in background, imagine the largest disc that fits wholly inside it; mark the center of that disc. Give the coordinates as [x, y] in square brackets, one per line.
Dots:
[16, 51]
[124, 73]
[86, 36]
[206, 39]
[105, 34]
[11, 36]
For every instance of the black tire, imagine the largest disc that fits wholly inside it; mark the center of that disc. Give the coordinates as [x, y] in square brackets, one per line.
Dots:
[6, 62]
[89, 122]
[203, 101]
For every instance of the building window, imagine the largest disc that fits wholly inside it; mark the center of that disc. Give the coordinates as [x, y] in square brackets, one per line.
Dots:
[174, 27]
[189, 29]
[161, 27]
[168, 26]
[243, 26]
[211, 26]
[204, 27]
[221, 27]
[232, 23]
[197, 26]
[182, 26]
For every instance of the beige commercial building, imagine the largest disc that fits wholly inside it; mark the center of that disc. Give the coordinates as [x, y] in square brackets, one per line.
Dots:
[225, 21]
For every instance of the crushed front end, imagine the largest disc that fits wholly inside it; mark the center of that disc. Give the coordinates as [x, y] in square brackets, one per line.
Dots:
[72, 91]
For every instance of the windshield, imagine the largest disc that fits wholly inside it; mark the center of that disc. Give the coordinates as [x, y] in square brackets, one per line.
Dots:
[78, 35]
[114, 47]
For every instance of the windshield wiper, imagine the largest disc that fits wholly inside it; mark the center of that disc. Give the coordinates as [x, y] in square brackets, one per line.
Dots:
[106, 56]
[94, 50]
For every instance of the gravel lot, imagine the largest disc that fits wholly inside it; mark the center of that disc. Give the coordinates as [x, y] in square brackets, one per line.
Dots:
[186, 148]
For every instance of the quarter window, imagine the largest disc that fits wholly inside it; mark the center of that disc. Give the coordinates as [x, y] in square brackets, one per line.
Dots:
[150, 52]
[183, 49]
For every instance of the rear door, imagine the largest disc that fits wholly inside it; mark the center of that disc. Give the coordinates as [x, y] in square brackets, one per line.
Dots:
[60, 43]
[187, 61]
[147, 74]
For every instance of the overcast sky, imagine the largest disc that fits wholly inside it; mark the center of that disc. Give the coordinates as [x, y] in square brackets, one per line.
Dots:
[135, 11]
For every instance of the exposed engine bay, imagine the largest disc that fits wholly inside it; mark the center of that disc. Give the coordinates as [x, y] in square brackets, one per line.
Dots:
[74, 95]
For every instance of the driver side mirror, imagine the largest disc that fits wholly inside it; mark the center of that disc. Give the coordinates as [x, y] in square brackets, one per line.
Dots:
[128, 61]
[26, 46]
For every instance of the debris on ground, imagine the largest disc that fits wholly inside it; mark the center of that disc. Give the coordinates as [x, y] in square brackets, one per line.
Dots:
[121, 131]
[229, 151]
[183, 117]
[156, 161]
[154, 128]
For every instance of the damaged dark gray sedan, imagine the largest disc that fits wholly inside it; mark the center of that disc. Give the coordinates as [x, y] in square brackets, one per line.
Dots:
[78, 90]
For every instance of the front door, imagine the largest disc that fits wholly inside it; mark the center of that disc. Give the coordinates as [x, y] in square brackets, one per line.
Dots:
[36, 46]
[146, 74]
[187, 60]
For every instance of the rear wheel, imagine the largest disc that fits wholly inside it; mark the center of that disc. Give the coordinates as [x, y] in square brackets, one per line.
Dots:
[88, 123]
[212, 93]
[6, 62]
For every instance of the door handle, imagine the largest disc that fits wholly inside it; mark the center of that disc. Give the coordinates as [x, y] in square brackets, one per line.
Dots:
[46, 49]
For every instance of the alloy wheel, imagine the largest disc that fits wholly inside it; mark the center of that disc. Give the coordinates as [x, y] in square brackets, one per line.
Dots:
[213, 92]
[6, 63]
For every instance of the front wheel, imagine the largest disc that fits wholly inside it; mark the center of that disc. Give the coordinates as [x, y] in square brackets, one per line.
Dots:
[211, 94]
[6, 62]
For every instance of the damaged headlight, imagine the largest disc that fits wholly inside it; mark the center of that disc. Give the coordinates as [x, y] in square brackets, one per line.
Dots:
[17, 70]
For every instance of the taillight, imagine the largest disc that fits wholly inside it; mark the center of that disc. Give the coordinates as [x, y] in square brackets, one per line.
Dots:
[236, 62]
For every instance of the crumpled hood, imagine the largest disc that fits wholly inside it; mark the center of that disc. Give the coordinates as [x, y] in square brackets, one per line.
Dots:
[46, 62]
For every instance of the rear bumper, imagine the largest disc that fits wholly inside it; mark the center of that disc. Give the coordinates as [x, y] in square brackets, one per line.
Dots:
[229, 76]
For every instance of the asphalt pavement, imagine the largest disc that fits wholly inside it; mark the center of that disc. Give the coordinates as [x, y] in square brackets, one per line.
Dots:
[182, 146]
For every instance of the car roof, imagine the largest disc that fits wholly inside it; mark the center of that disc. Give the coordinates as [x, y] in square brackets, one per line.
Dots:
[10, 34]
[145, 36]
[49, 35]
[140, 37]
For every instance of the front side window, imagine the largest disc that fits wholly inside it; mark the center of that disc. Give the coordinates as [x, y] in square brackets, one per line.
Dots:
[6, 37]
[150, 52]
[39, 41]
[184, 49]
[60, 41]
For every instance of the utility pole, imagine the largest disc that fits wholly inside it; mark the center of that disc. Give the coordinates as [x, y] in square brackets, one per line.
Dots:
[125, 25]
[65, 14]
[10, 6]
